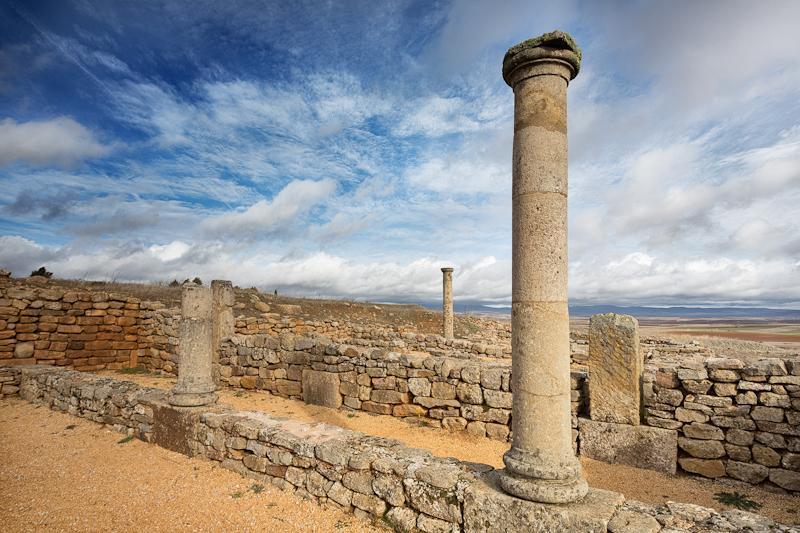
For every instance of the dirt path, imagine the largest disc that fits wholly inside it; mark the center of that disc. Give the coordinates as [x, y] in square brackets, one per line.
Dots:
[63, 473]
[634, 483]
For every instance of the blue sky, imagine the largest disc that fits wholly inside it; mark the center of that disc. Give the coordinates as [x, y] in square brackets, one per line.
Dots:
[353, 148]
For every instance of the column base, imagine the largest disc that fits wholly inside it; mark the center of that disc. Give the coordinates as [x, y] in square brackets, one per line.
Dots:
[486, 508]
[192, 399]
[543, 490]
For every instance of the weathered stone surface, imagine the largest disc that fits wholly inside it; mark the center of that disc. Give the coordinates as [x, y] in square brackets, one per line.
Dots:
[749, 472]
[487, 508]
[704, 467]
[628, 521]
[766, 456]
[704, 449]
[321, 388]
[703, 431]
[785, 479]
[639, 446]
[615, 364]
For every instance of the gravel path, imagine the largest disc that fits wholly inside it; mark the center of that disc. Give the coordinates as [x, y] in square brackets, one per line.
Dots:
[63, 473]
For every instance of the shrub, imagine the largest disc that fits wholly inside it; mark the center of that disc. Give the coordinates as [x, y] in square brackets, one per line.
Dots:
[42, 271]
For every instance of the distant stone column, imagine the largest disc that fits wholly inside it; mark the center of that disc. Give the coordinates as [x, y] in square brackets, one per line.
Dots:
[541, 465]
[222, 300]
[447, 302]
[195, 384]
[615, 369]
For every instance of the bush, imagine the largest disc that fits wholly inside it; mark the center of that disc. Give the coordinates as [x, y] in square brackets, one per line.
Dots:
[197, 281]
[174, 283]
[42, 272]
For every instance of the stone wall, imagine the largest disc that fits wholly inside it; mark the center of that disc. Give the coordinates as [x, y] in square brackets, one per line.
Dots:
[124, 406]
[446, 392]
[405, 488]
[734, 419]
[78, 329]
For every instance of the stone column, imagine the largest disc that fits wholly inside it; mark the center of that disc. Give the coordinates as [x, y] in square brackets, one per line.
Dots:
[195, 384]
[222, 300]
[447, 302]
[541, 465]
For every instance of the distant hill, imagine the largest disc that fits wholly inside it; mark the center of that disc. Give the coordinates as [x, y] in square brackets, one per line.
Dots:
[637, 311]
[687, 312]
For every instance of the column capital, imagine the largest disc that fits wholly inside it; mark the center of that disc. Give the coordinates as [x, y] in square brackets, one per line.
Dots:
[447, 269]
[554, 47]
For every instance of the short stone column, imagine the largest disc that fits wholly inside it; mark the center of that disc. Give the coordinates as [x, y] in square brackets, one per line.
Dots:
[222, 300]
[541, 465]
[195, 384]
[447, 302]
[615, 369]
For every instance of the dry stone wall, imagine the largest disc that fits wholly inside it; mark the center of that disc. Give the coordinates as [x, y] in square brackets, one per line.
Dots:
[446, 392]
[78, 329]
[734, 419]
[407, 489]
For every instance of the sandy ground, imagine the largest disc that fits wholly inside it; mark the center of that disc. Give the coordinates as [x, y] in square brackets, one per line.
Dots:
[634, 483]
[63, 473]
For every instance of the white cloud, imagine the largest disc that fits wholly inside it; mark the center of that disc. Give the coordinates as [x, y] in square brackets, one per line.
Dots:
[60, 141]
[267, 217]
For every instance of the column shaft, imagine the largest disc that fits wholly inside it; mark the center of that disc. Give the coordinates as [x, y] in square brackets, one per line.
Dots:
[447, 303]
[195, 385]
[541, 464]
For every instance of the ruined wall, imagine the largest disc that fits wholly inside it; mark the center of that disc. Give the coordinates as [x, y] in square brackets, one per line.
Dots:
[447, 392]
[372, 477]
[734, 419]
[78, 329]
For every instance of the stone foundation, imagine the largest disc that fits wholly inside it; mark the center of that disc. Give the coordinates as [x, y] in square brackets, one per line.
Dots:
[372, 477]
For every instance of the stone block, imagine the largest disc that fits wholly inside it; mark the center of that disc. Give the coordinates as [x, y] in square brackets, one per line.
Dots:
[749, 472]
[638, 446]
[705, 467]
[488, 508]
[615, 365]
[321, 388]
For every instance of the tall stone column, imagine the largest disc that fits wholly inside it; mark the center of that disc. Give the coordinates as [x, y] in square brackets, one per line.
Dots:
[222, 300]
[195, 384]
[541, 465]
[447, 302]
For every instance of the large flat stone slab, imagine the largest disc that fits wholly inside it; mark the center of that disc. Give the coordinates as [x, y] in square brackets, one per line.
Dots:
[174, 427]
[615, 369]
[639, 446]
[321, 388]
[488, 509]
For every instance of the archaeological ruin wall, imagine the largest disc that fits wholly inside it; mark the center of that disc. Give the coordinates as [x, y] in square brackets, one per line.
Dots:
[77, 329]
[371, 477]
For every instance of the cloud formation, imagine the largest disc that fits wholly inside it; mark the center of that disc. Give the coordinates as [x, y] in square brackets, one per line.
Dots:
[59, 142]
[352, 150]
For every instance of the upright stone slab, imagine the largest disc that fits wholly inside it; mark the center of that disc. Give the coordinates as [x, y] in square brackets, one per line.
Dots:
[447, 302]
[321, 388]
[222, 300]
[615, 369]
[195, 385]
[541, 465]
[623, 444]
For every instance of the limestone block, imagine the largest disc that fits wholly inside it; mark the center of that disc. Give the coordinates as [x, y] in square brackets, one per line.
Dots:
[629, 521]
[639, 446]
[749, 472]
[705, 467]
[321, 388]
[488, 508]
[615, 367]
[785, 479]
[704, 449]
